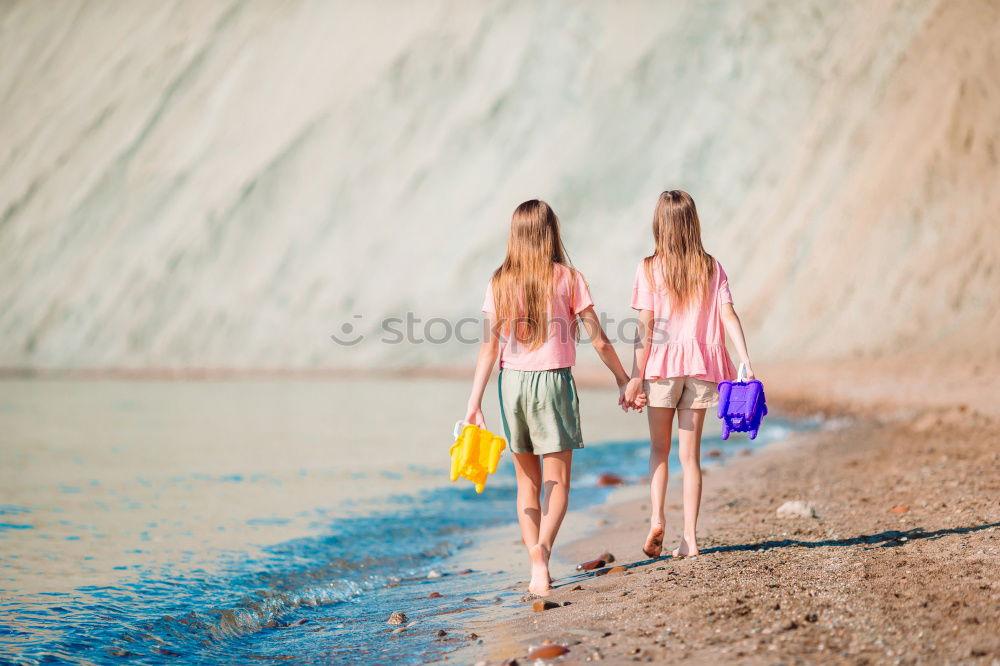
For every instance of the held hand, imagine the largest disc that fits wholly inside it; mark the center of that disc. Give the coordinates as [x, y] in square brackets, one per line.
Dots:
[749, 371]
[475, 416]
[634, 395]
[622, 381]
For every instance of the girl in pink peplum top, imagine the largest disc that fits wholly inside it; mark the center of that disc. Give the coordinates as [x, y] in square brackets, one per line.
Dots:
[682, 295]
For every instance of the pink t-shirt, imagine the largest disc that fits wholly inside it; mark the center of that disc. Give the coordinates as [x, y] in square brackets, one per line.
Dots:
[691, 343]
[570, 297]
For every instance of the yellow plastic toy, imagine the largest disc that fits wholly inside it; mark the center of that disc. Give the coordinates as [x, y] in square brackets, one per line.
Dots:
[475, 454]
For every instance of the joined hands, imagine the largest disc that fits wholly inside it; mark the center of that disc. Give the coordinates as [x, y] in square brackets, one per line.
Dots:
[630, 395]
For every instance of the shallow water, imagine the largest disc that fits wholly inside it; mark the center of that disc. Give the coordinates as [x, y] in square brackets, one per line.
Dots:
[237, 521]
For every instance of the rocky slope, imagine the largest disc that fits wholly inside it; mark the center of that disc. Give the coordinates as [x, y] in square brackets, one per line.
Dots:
[224, 185]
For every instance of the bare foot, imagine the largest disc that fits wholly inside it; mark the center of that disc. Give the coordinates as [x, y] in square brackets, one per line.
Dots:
[685, 549]
[539, 571]
[654, 542]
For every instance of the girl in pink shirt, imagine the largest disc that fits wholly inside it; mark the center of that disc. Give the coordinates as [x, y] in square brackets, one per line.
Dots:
[682, 295]
[532, 307]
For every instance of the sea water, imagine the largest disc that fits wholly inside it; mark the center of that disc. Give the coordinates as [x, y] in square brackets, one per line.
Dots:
[245, 521]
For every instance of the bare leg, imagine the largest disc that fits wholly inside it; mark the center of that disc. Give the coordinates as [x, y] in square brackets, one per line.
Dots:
[556, 475]
[661, 421]
[689, 425]
[528, 471]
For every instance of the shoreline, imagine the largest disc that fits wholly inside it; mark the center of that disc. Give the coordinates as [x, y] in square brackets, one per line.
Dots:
[500, 550]
[865, 386]
[898, 566]
[908, 441]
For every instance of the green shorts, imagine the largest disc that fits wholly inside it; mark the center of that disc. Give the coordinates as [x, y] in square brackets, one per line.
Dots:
[540, 410]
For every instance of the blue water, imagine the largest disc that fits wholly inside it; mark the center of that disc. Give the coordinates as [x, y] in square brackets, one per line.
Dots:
[319, 599]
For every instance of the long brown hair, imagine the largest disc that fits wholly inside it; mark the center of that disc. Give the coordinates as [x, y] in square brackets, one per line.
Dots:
[684, 266]
[524, 282]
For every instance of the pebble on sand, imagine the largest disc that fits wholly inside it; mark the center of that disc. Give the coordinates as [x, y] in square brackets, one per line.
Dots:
[543, 605]
[899, 509]
[715, 453]
[434, 595]
[796, 509]
[591, 565]
[608, 480]
[397, 617]
[927, 422]
[548, 652]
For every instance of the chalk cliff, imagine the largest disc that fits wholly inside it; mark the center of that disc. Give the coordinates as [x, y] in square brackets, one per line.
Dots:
[224, 185]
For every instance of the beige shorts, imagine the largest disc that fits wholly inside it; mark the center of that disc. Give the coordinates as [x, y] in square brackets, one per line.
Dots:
[681, 393]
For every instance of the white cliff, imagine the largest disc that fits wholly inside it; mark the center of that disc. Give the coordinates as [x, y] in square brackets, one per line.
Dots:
[222, 185]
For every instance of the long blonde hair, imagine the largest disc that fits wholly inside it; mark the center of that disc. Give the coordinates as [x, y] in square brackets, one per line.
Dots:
[684, 265]
[524, 282]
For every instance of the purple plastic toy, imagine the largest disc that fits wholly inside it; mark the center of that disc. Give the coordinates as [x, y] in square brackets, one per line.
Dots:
[742, 405]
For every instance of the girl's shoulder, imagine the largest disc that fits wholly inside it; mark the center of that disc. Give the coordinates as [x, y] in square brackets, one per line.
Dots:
[568, 273]
[646, 271]
[648, 263]
[720, 272]
[570, 285]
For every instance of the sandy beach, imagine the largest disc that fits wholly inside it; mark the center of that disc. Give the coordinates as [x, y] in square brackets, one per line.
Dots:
[244, 250]
[899, 565]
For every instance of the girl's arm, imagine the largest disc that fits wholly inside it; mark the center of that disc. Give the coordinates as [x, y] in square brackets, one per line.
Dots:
[643, 343]
[484, 368]
[606, 351]
[734, 329]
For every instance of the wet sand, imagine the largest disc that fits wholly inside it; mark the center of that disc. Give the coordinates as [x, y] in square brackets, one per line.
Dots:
[900, 565]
